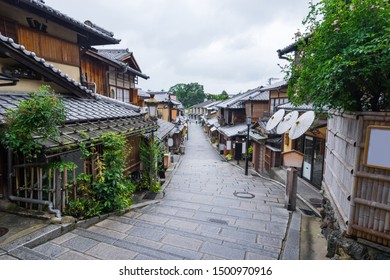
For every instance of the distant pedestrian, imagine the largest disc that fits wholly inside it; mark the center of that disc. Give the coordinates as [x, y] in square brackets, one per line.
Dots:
[196, 121]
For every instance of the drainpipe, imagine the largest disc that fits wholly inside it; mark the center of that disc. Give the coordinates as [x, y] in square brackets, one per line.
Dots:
[37, 201]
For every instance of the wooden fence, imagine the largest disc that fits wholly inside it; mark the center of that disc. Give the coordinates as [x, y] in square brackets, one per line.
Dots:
[360, 193]
[54, 184]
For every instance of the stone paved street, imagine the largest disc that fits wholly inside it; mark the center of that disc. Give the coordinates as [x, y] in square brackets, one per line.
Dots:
[199, 217]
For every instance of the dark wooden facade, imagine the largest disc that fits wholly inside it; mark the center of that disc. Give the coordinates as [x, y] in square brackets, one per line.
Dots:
[49, 47]
[94, 74]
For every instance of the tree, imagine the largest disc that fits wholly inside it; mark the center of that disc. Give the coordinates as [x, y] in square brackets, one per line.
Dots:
[222, 96]
[344, 58]
[188, 94]
[36, 117]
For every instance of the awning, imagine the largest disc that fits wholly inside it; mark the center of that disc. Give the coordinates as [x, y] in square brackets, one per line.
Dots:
[71, 135]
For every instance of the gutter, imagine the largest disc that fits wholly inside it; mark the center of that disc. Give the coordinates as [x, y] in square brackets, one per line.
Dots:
[51, 209]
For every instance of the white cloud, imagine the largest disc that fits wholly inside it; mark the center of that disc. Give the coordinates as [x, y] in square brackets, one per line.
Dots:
[223, 44]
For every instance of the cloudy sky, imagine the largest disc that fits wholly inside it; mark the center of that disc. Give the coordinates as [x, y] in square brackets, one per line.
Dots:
[221, 44]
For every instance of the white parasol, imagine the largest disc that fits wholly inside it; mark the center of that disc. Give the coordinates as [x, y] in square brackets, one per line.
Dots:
[287, 122]
[275, 119]
[301, 125]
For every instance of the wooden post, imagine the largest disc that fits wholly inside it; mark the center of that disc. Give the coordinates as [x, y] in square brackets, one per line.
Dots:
[291, 189]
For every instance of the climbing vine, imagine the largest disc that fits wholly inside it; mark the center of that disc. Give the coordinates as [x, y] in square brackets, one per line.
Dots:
[111, 186]
[109, 189]
[38, 117]
[152, 153]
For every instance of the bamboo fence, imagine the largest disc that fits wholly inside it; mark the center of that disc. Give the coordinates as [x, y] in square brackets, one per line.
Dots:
[360, 193]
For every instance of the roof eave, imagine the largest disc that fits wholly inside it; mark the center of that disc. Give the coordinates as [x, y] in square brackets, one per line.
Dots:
[91, 35]
[44, 69]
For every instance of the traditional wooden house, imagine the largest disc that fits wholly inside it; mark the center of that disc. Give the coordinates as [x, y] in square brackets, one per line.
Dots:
[232, 121]
[112, 72]
[211, 127]
[211, 110]
[39, 45]
[142, 97]
[266, 147]
[277, 95]
[199, 111]
[168, 107]
[257, 104]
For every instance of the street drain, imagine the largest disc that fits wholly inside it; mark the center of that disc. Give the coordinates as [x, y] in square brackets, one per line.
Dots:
[3, 231]
[244, 195]
[218, 221]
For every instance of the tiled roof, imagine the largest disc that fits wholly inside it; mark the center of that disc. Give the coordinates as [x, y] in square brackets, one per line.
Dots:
[258, 95]
[212, 121]
[77, 109]
[85, 119]
[237, 101]
[164, 128]
[163, 97]
[230, 131]
[117, 54]
[72, 134]
[203, 104]
[100, 35]
[276, 85]
[213, 105]
[44, 66]
[111, 56]
[144, 94]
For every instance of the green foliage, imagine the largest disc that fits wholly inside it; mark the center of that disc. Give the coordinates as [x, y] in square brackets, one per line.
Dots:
[152, 153]
[219, 97]
[111, 187]
[110, 190]
[345, 54]
[85, 205]
[37, 117]
[188, 94]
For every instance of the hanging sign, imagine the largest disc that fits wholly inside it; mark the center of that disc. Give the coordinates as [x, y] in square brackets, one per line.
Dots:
[376, 152]
[229, 145]
[170, 142]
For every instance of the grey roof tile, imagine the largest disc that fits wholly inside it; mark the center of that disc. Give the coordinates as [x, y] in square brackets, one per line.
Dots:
[111, 56]
[233, 130]
[237, 101]
[164, 128]
[77, 109]
[20, 48]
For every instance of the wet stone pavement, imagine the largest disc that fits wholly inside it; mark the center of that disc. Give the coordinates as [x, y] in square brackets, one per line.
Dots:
[210, 210]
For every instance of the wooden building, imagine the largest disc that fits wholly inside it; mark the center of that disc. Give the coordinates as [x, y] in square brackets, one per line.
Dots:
[112, 73]
[168, 107]
[41, 46]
